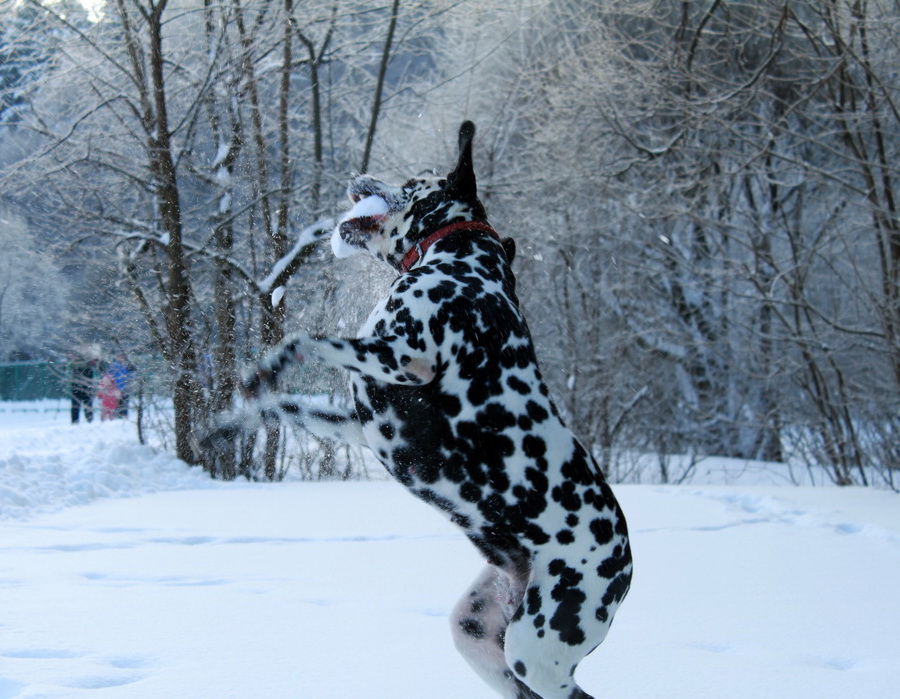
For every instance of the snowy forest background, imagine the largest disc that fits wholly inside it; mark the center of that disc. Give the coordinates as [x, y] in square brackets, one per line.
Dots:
[704, 196]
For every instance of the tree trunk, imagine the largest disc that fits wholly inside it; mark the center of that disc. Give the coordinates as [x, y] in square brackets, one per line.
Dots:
[182, 355]
[379, 86]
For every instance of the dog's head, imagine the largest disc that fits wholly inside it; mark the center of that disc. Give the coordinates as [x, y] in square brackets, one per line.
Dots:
[388, 220]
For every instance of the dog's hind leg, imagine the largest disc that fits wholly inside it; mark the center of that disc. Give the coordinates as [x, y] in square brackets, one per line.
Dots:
[326, 423]
[569, 606]
[478, 623]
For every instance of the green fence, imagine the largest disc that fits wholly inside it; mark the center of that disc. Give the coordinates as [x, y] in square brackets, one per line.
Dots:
[32, 380]
[41, 379]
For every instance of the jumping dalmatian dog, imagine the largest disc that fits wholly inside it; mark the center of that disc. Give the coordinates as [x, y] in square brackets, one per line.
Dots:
[449, 397]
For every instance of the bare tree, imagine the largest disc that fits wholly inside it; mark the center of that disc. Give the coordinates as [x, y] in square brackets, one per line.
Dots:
[695, 179]
[703, 196]
[208, 166]
[33, 291]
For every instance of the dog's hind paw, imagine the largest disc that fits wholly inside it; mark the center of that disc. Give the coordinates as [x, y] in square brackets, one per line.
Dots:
[221, 435]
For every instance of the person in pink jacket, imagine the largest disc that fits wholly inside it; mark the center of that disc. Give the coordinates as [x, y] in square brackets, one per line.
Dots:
[109, 394]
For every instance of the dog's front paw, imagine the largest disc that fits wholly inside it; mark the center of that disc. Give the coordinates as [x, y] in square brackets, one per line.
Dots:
[258, 382]
[265, 376]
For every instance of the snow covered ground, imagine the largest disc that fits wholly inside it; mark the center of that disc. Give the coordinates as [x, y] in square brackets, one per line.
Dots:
[124, 573]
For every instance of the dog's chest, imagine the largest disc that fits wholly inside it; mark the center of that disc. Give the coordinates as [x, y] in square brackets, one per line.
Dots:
[462, 317]
[461, 436]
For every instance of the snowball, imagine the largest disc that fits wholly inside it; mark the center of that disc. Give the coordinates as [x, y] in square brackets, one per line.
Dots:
[372, 205]
[339, 247]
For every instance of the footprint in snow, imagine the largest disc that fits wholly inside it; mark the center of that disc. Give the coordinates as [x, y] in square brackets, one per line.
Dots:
[848, 528]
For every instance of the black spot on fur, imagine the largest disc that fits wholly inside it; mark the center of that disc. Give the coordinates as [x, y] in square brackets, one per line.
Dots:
[565, 536]
[566, 618]
[602, 529]
[533, 600]
[472, 627]
[533, 446]
[566, 495]
[536, 412]
[520, 668]
[470, 492]
[519, 386]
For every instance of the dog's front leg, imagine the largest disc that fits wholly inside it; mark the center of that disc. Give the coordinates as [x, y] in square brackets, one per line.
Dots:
[390, 360]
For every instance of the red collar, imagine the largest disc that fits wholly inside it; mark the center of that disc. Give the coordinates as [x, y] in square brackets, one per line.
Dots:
[419, 250]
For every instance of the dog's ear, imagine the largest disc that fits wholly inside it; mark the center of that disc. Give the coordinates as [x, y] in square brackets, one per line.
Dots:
[509, 249]
[461, 181]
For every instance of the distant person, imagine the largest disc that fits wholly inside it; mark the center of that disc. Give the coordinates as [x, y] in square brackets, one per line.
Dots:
[123, 372]
[109, 395]
[81, 386]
